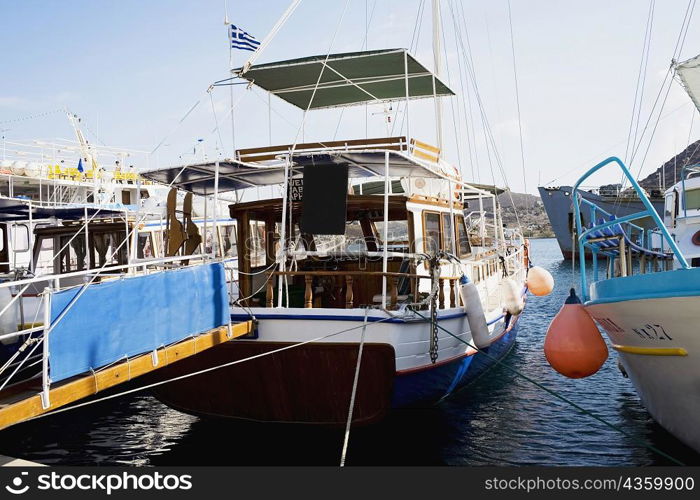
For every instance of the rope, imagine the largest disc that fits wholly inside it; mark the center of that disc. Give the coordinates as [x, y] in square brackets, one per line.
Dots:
[354, 391]
[207, 370]
[271, 35]
[641, 80]
[32, 117]
[517, 103]
[557, 395]
[37, 342]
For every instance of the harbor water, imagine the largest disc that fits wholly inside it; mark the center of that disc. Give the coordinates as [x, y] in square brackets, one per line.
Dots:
[501, 419]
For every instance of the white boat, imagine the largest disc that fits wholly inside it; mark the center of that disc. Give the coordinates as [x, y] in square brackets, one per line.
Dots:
[390, 274]
[648, 301]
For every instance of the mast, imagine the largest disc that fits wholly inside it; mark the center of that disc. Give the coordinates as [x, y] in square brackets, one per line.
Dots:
[437, 34]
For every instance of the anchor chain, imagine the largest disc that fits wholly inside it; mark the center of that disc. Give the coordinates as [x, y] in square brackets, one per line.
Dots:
[434, 278]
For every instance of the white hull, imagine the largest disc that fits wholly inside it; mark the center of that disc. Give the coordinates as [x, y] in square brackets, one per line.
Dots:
[668, 382]
[407, 333]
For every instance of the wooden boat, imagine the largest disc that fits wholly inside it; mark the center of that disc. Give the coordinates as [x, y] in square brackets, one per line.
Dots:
[343, 271]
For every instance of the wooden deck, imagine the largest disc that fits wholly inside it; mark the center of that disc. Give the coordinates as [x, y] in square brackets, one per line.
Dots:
[23, 400]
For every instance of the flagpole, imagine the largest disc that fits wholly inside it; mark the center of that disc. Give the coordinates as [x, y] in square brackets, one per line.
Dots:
[227, 22]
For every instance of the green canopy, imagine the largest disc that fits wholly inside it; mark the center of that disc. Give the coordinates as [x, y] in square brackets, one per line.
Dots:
[349, 78]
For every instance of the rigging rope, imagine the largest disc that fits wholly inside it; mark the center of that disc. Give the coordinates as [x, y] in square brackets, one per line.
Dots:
[517, 103]
[556, 394]
[641, 79]
[354, 391]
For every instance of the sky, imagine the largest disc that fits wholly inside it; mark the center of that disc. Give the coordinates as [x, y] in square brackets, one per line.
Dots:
[132, 69]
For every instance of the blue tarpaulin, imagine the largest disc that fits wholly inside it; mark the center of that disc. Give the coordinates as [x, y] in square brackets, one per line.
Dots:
[134, 315]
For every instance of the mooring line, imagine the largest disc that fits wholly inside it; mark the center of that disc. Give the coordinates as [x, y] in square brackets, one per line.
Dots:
[559, 396]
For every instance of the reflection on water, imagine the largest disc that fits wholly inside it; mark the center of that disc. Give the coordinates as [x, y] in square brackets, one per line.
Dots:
[501, 419]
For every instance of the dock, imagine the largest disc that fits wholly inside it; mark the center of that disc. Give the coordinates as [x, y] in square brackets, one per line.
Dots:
[23, 401]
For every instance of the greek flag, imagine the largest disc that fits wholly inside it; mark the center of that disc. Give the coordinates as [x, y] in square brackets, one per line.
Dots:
[242, 40]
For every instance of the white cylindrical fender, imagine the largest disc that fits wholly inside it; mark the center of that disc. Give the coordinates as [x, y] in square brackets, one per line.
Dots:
[10, 318]
[512, 298]
[475, 312]
[18, 167]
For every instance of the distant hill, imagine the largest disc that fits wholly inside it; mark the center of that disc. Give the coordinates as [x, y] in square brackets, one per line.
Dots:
[521, 200]
[531, 214]
[673, 167]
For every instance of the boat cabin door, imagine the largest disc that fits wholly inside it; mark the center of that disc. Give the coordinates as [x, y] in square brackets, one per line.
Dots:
[671, 209]
[4, 252]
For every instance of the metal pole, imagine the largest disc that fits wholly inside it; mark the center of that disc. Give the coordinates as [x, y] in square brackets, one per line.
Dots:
[623, 257]
[405, 70]
[215, 237]
[87, 246]
[495, 222]
[282, 256]
[385, 235]
[438, 64]
[482, 222]
[453, 235]
[45, 380]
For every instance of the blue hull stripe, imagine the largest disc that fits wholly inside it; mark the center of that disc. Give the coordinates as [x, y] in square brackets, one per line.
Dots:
[660, 285]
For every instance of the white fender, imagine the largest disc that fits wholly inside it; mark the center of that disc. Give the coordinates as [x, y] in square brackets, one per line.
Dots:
[512, 299]
[475, 312]
[10, 318]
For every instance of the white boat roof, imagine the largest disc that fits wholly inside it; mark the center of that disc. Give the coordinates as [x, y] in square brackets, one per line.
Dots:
[199, 178]
[348, 79]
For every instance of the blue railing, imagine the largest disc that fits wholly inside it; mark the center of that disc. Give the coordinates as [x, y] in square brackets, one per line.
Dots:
[621, 226]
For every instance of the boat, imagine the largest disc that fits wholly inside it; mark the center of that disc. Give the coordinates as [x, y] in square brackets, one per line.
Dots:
[560, 210]
[646, 296]
[368, 295]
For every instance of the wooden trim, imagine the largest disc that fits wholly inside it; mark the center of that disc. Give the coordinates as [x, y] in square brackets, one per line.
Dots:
[436, 202]
[397, 143]
[426, 146]
[23, 405]
[250, 159]
[425, 156]
[425, 236]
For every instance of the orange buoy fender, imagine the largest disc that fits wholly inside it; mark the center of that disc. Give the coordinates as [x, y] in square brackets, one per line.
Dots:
[573, 345]
[539, 281]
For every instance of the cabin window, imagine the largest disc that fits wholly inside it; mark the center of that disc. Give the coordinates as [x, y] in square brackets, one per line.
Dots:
[257, 243]
[43, 255]
[431, 231]
[4, 254]
[397, 233]
[20, 238]
[449, 232]
[126, 197]
[691, 199]
[72, 253]
[228, 240]
[464, 248]
[144, 249]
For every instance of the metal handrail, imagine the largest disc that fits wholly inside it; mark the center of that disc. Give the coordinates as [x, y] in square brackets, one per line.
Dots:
[648, 212]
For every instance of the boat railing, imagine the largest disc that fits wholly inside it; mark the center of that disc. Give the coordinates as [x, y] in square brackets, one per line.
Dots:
[599, 236]
[414, 147]
[348, 279]
[252, 155]
[57, 282]
[486, 265]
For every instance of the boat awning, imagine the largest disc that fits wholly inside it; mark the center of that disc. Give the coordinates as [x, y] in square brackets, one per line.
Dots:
[14, 210]
[349, 78]
[234, 175]
[689, 74]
